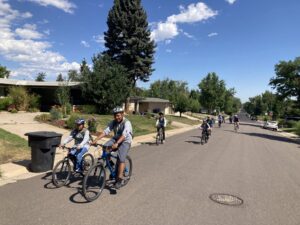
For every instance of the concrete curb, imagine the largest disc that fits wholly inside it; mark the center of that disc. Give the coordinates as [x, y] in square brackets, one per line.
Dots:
[12, 172]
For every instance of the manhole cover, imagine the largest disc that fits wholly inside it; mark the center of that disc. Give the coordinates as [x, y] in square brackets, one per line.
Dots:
[226, 199]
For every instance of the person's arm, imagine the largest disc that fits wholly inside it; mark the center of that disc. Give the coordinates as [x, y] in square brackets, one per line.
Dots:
[104, 133]
[165, 124]
[67, 140]
[156, 124]
[85, 140]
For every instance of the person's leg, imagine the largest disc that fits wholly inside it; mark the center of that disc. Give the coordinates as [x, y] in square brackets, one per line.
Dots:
[79, 155]
[164, 134]
[122, 153]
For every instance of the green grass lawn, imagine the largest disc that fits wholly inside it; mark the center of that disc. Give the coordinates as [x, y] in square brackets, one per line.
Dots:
[12, 147]
[141, 124]
[289, 130]
[183, 120]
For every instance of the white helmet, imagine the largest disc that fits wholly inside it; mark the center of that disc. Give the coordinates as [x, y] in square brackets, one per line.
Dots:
[118, 109]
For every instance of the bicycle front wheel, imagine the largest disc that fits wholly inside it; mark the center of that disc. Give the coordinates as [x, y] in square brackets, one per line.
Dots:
[128, 170]
[94, 182]
[61, 173]
[87, 162]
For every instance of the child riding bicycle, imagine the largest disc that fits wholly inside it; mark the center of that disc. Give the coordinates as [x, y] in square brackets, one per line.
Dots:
[81, 135]
[161, 123]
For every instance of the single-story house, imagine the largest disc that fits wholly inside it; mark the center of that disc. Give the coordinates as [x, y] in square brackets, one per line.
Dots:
[45, 89]
[150, 105]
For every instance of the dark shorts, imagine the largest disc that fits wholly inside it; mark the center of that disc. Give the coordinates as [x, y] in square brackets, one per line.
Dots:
[122, 150]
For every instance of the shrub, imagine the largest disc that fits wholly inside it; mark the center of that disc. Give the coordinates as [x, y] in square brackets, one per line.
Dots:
[291, 123]
[34, 101]
[88, 109]
[92, 125]
[297, 128]
[43, 117]
[14, 111]
[5, 102]
[20, 97]
[70, 122]
[59, 123]
[56, 113]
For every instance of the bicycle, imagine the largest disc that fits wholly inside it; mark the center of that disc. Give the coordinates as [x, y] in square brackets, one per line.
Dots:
[236, 127]
[94, 180]
[159, 136]
[62, 170]
[204, 136]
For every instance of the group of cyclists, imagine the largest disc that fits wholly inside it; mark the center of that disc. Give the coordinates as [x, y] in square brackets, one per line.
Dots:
[208, 123]
[122, 139]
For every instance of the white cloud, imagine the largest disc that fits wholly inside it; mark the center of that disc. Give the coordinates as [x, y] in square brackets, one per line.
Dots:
[47, 32]
[64, 5]
[193, 13]
[168, 42]
[28, 32]
[21, 46]
[99, 38]
[168, 50]
[188, 35]
[85, 44]
[164, 31]
[213, 34]
[231, 1]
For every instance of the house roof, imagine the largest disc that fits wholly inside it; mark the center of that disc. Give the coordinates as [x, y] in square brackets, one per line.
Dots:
[159, 100]
[11, 82]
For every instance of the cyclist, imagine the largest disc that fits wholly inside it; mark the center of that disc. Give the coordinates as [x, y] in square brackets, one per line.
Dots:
[236, 121]
[81, 135]
[121, 140]
[206, 128]
[220, 120]
[161, 122]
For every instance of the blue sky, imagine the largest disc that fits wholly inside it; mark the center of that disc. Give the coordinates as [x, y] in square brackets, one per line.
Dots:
[240, 40]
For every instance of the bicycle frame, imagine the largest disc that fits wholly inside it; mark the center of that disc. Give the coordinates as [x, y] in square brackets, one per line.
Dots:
[105, 157]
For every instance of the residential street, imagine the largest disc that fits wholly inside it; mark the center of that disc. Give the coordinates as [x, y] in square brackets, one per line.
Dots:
[171, 184]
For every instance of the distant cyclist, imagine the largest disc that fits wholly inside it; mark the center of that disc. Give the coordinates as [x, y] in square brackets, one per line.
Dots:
[236, 121]
[81, 135]
[220, 120]
[206, 128]
[121, 140]
[161, 122]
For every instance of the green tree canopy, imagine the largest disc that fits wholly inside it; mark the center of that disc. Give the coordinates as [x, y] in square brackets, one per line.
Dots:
[287, 79]
[73, 75]
[4, 72]
[212, 92]
[128, 39]
[59, 77]
[40, 77]
[106, 85]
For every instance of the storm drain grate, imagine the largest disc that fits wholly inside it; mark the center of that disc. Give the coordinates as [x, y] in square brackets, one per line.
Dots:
[226, 199]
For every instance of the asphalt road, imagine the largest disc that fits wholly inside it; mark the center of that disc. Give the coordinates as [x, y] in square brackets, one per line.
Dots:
[172, 183]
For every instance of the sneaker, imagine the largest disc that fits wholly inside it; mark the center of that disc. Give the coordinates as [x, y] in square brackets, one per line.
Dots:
[119, 183]
[78, 170]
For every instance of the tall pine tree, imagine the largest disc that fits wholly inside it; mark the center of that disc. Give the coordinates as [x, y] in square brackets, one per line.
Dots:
[128, 39]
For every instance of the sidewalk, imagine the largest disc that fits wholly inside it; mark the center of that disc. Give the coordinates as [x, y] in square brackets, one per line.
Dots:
[12, 172]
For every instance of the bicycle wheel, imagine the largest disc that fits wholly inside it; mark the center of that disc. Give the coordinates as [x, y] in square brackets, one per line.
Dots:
[161, 136]
[157, 139]
[128, 170]
[202, 138]
[61, 173]
[94, 182]
[87, 161]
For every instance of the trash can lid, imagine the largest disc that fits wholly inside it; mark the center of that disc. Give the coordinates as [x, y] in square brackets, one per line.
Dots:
[45, 134]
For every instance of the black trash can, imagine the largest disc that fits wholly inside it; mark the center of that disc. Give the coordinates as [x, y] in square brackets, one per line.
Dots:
[43, 145]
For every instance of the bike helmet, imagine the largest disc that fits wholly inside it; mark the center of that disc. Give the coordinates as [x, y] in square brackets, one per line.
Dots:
[118, 109]
[79, 121]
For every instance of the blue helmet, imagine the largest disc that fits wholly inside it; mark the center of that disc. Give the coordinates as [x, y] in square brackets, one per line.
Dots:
[79, 121]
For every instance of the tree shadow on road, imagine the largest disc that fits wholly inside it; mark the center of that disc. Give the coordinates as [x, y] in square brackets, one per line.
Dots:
[148, 143]
[273, 137]
[194, 142]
